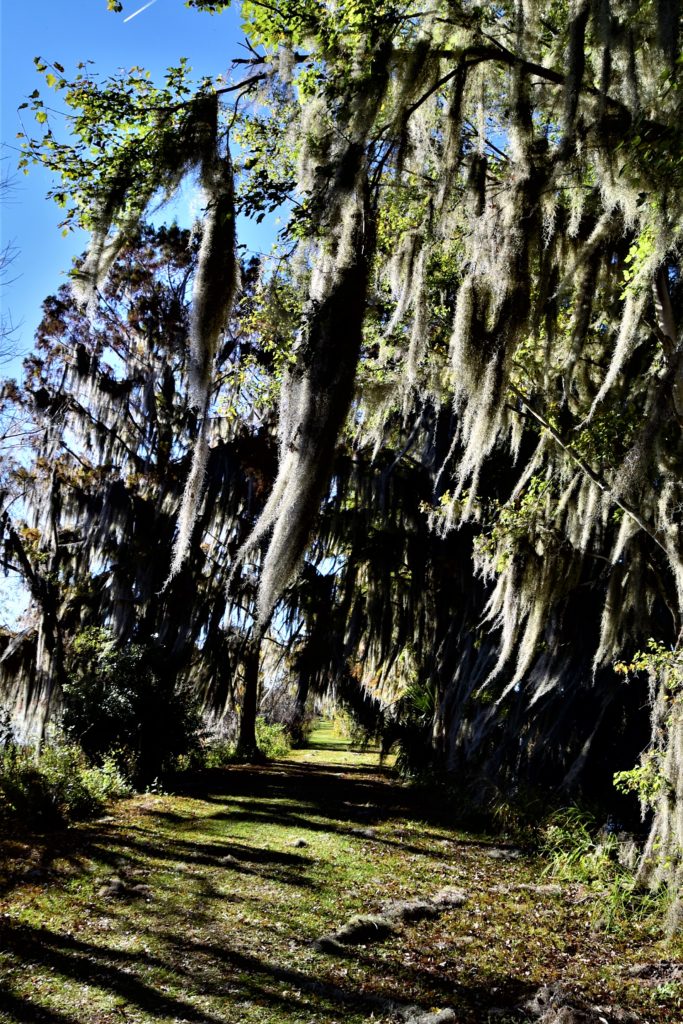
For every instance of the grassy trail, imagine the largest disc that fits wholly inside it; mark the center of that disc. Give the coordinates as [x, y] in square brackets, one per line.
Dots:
[203, 908]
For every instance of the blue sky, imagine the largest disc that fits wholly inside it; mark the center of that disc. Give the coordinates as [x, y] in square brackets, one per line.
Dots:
[70, 31]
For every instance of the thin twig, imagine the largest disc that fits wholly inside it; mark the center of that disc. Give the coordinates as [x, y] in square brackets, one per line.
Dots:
[589, 471]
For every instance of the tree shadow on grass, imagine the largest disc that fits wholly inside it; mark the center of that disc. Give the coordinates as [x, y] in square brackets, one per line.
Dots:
[229, 976]
[356, 827]
[71, 959]
[326, 789]
[271, 865]
[326, 794]
[298, 797]
[387, 986]
[338, 745]
[19, 1010]
[28, 855]
[326, 800]
[73, 852]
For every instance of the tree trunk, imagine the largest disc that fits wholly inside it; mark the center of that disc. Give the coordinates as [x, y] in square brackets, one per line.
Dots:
[247, 747]
[49, 672]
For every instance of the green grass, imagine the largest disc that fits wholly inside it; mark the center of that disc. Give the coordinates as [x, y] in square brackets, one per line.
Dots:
[325, 745]
[225, 932]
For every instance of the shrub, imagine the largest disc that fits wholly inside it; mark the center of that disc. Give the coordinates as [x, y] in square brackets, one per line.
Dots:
[24, 792]
[219, 754]
[272, 738]
[79, 788]
[569, 840]
[123, 702]
[219, 746]
[58, 785]
[580, 852]
[280, 704]
[358, 735]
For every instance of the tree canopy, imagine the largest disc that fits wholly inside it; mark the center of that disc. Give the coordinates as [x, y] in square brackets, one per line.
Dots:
[470, 325]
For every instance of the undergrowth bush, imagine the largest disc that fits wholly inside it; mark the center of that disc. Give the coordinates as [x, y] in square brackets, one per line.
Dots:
[122, 702]
[48, 789]
[520, 816]
[579, 851]
[358, 735]
[272, 738]
[569, 840]
[280, 705]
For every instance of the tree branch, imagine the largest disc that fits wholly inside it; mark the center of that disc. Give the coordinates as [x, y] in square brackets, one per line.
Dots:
[589, 471]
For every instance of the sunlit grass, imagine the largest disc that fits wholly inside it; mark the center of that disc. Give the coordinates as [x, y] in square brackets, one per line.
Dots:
[248, 870]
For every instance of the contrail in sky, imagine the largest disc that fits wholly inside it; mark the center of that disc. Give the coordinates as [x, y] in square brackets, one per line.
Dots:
[139, 11]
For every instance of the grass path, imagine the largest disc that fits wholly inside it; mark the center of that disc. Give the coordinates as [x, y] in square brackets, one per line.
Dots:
[203, 908]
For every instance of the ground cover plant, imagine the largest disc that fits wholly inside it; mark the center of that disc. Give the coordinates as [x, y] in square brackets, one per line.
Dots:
[49, 787]
[206, 907]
